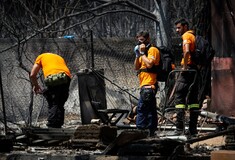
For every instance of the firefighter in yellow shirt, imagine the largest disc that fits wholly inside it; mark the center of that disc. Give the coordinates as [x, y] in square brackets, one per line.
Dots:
[57, 78]
[186, 78]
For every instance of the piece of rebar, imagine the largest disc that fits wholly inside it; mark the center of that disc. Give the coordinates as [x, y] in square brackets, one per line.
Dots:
[211, 135]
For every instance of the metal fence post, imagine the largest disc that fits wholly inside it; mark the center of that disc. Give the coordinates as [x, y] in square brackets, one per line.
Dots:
[3, 103]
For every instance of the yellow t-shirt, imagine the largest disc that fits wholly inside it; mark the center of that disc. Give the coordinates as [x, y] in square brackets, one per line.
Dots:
[52, 64]
[147, 78]
[188, 38]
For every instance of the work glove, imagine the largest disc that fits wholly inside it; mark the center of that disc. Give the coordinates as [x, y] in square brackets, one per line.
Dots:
[137, 52]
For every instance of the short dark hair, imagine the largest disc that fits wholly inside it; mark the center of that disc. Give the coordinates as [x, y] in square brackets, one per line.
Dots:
[145, 34]
[182, 21]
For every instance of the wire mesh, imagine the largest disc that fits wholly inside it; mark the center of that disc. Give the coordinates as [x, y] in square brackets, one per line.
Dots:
[113, 55]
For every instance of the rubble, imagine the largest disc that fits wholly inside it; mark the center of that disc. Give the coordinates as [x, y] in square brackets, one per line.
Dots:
[98, 140]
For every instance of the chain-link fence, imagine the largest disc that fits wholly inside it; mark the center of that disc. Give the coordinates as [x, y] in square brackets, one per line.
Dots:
[114, 55]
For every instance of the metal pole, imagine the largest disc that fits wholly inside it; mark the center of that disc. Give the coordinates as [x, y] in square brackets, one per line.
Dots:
[92, 51]
[212, 135]
[3, 103]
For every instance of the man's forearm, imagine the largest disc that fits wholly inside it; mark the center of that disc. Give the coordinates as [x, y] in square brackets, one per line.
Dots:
[186, 57]
[136, 63]
[34, 81]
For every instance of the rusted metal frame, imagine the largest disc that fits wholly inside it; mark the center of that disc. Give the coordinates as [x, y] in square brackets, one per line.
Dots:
[113, 113]
[165, 109]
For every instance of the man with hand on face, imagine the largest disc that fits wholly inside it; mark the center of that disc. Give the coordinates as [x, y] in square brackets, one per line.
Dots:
[147, 57]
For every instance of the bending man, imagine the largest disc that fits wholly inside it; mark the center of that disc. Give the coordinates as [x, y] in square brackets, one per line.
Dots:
[57, 79]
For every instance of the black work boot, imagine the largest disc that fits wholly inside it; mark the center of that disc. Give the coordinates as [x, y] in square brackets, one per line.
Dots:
[152, 133]
[179, 122]
[193, 119]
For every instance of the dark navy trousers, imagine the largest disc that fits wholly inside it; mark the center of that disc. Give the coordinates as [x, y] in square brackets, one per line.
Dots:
[146, 110]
